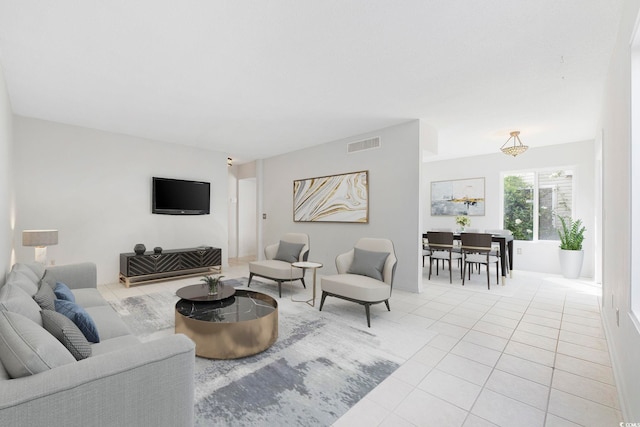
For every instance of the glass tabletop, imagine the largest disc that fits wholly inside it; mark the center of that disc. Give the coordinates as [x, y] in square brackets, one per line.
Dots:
[244, 305]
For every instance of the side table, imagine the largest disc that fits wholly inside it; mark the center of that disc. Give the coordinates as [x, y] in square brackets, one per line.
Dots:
[313, 266]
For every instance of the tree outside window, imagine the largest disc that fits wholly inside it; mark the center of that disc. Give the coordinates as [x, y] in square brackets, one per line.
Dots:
[549, 193]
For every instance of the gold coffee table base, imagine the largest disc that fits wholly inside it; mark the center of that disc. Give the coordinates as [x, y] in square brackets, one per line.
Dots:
[232, 337]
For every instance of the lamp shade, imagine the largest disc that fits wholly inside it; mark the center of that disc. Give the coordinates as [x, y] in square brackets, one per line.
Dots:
[39, 237]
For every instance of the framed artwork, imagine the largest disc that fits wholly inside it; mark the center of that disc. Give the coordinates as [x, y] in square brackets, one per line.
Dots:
[333, 198]
[458, 197]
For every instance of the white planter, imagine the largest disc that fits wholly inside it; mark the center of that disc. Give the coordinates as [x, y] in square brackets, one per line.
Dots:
[571, 263]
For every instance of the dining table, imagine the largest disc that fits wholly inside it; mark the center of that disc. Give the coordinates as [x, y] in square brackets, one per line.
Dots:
[506, 252]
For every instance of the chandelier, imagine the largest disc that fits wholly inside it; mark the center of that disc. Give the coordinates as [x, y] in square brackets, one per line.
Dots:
[516, 148]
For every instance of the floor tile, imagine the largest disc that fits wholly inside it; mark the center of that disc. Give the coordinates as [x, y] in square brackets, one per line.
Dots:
[544, 313]
[467, 312]
[535, 340]
[534, 354]
[592, 370]
[464, 368]
[555, 421]
[365, 413]
[448, 329]
[523, 390]
[593, 323]
[393, 420]
[486, 340]
[525, 368]
[440, 306]
[505, 411]
[457, 320]
[585, 340]
[429, 356]
[444, 342]
[450, 388]
[582, 411]
[412, 372]
[515, 315]
[493, 329]
[584, 353]
[539, 320]
[582, 313]
[477, 353]
[597, 332]
[602, 393]
[475, 421]
[499, 320]
[428, 312]
[544, 331]
[424, 409]
[390, 393]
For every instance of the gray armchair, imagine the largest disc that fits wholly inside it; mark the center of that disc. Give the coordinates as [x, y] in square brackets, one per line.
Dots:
[365, 275]
[292, 247]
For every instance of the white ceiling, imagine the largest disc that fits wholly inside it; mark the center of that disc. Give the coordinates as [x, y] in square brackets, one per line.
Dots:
[258, 78]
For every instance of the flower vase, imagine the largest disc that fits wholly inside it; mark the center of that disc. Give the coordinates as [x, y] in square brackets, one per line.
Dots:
[213, 290]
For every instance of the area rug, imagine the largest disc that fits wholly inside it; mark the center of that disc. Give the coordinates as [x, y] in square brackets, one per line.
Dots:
[319, 367]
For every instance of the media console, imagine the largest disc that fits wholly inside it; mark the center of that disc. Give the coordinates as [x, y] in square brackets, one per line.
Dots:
[152, 267]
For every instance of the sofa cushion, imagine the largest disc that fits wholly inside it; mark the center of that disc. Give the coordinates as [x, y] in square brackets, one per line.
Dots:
[63, 292]
[89, 297]
[288, 252]
[109, 323]
[355, 286]
[28, 271]
[37, 268]
[49, 279]
[114, 344]
[80, 317]
[368, 263]
[65, 331]
[45, 297]
[22, 280]
[16, 300]
[26, 348]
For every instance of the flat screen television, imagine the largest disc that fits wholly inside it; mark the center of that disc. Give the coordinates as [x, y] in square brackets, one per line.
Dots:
[180, 197]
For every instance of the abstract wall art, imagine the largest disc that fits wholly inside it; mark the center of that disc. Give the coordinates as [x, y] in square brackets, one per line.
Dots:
[334, 198]
[458, 197]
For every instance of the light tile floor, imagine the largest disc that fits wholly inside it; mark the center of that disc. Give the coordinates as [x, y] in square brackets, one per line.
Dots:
[531, 353]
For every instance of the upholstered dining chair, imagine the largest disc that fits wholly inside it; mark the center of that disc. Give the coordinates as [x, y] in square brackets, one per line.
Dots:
[293, 247]
[365, 275]
[476, 249]
[442, 248]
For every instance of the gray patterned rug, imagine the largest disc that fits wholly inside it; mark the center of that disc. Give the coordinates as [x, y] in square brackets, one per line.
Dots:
[320, 366]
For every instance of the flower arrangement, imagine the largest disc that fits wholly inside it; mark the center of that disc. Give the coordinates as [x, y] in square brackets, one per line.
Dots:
[212, 283]
[463, 221]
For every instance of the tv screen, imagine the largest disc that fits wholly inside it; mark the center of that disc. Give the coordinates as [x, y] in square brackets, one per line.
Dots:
[180, 197]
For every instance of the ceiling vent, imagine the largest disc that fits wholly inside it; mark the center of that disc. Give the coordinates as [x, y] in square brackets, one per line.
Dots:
[365, 144]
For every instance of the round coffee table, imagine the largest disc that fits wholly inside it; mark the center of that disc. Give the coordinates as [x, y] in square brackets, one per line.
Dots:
[240, 325]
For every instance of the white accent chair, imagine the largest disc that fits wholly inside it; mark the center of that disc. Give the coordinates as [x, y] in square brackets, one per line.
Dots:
[277, 265]
[354, 281]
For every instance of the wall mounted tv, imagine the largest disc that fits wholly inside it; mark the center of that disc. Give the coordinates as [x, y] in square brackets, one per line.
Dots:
[180, 197]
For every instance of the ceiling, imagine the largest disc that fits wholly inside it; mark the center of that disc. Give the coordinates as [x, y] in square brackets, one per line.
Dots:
[256, 78]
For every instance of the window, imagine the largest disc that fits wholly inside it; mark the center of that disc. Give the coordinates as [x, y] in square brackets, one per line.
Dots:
[549, 193]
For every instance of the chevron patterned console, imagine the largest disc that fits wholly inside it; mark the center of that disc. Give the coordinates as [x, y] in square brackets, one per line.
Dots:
[151, 267]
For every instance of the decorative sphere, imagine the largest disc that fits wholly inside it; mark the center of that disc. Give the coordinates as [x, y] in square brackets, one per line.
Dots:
[139, 249]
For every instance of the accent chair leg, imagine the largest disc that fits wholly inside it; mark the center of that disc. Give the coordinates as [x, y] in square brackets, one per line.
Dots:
[387, 304]
[430, 266]
[303, 284]
[250, 277]
[366, 308]
[324, 295]
[279, 288]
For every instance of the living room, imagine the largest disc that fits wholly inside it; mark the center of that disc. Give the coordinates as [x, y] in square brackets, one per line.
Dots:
[94, 187]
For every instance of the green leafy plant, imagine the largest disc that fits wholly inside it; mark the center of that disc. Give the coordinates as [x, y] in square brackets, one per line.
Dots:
[463, 221]
[571, 234]
[212, 283]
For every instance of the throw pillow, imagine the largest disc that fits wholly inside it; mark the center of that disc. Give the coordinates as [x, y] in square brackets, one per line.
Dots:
[27, 348]
[368, 263]
[289, 252]
[16, 300]
[45, 297]
[23, 281]
[80, 317]
[62, 291]
[49, 279]
[61, 327]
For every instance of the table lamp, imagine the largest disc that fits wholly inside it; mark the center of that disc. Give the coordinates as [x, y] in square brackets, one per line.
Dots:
[40, 239]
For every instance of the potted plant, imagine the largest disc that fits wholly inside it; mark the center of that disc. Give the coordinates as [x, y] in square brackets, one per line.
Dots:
[463, 221]
[212, 283]
[571, 254]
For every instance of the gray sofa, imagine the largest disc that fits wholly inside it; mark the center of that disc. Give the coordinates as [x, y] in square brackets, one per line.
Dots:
[123, 382]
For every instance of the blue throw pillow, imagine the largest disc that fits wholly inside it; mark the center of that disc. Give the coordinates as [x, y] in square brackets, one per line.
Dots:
[62, 291]
[80, 317]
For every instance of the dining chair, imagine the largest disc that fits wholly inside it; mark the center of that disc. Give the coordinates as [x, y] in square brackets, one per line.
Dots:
[441, 248]
[476, 249]
[496, 245]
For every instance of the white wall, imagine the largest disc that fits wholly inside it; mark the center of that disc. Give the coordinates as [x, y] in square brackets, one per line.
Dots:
[541, 256]
[247, 214]
[6, 190]
[394, 180]
[623, 338]
[95, 188]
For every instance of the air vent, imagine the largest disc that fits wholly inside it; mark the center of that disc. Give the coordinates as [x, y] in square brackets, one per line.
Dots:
[365, 144]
